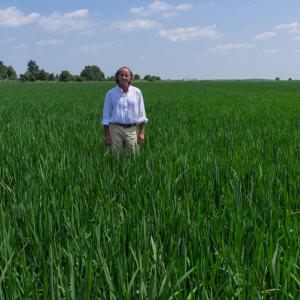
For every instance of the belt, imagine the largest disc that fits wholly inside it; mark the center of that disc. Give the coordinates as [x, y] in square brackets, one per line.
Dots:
[125, 125]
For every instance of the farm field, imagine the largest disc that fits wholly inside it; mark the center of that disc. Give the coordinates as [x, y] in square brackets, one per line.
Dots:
[209, 209]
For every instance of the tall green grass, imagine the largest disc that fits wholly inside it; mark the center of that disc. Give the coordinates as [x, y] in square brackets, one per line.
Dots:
[209, 209]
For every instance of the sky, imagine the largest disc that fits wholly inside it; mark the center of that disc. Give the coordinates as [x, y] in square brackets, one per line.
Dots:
[185, 39]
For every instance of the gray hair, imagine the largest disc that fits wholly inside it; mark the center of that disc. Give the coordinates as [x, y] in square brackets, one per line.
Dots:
[118, 72]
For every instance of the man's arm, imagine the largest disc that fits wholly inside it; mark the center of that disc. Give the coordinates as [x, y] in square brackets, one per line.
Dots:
[141, 134]
[105, 121]
[107, 139]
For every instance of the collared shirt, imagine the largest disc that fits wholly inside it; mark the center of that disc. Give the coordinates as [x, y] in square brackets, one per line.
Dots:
[124, 108]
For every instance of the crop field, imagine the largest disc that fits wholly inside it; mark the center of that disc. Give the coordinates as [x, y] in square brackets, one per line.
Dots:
[209, 209]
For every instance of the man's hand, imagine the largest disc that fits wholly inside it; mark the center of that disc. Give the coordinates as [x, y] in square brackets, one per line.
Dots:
[141, 137]
[107, 139]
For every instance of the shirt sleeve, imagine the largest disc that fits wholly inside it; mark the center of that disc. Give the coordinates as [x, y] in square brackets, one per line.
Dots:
[107, 110]
[142, 113]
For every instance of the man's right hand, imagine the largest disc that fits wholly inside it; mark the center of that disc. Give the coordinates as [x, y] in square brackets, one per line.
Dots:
[107, 140]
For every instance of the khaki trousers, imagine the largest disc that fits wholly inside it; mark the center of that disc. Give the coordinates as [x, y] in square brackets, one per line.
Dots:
[123, 139]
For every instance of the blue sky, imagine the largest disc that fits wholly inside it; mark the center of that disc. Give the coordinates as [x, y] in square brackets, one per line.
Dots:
[204, 39]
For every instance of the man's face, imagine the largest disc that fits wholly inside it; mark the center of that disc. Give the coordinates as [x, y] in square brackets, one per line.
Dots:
[124, 77]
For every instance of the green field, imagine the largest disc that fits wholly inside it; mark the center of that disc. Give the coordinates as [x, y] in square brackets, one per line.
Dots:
[209, 209]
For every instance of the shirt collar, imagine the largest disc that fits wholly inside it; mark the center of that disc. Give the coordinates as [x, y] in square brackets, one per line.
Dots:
[121, 90]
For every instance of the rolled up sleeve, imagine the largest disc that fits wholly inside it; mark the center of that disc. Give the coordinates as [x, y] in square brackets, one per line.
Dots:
[107, 110]
[142, 114]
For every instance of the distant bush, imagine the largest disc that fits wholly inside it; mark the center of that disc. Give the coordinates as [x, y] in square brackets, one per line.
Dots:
[92, 73]
[65, 76]
[7, 72]
[34, 73]
[151, 77]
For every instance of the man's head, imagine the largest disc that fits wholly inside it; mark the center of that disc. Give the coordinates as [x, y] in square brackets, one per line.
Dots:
[124, 76]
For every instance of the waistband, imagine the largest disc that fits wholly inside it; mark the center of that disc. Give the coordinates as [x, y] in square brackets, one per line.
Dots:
[125, 125]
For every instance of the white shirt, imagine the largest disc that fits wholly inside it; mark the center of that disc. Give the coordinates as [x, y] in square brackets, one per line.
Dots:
[124, 108]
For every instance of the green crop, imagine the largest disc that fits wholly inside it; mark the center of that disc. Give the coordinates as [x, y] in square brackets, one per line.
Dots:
[209, 209]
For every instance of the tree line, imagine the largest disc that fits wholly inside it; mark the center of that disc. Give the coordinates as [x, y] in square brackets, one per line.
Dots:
[35, 73]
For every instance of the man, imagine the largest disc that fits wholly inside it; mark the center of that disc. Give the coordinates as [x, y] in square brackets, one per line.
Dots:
[123, 113]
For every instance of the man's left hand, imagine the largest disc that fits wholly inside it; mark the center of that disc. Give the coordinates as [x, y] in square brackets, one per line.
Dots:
[141, 138]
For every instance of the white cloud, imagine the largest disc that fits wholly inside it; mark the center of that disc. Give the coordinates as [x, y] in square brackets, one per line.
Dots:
[297, 38]
[136, 24]
[233, 46]
[81, 13]
[161, 7]
[12, 17]
[264, 36]
[183, 7]
[292, 28]
[154, 7]
[183, 34]
[51, 42]
[70, 21]
[87, 49]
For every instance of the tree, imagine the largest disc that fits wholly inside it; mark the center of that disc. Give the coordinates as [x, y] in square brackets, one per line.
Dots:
[11, 73]
[151, 77]
[92, 73]
[156, 77]
[3, 71]
[32, 67]
[34, 73]
[65, 76]
[51, 77]
[136, 77]
[31, 73]
[42, 75]
[77, 78]
[32, 70]
[7, 72]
